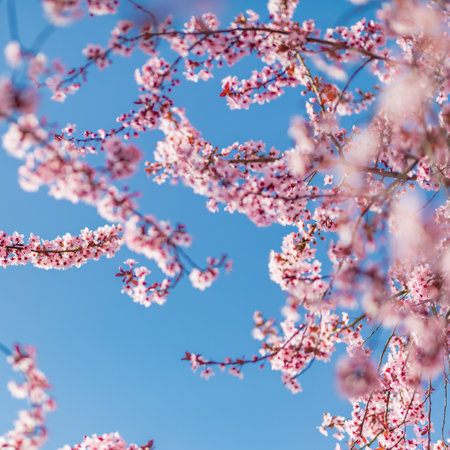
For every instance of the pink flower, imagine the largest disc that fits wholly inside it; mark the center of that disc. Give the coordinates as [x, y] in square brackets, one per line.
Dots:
[102, 7]
[236, 372]
[96, 53]
[13, 99]
[207, 373]
[13, 54]
[122, 159]
[62, 12]
[202, 280]
[104, 442]
[357, 376]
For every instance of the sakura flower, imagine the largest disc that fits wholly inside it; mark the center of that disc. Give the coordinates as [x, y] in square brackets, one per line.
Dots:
[13, 54]
[203, 279]
[13, 99]
[236, 372]
[105, 442]
[207, 373]
[357, 376]
[122, 159]
[98, 54]
[102, 7]
[21, 136]
[328, 179]
[62, 12]
[36, 66]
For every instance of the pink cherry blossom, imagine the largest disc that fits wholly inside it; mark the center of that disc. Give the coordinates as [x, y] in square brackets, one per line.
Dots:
[29, 429]
[106, 442]
[13, 54]
[357, 376]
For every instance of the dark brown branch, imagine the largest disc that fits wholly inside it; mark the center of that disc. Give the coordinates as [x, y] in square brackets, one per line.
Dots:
[252, 161]
[241, 362]
[367, 61]
[44, 251]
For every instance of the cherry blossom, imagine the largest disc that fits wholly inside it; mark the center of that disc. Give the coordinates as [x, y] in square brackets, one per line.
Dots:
[105, 442]
[29, 429]
[356, 376]
[13, 54]
[60, 253]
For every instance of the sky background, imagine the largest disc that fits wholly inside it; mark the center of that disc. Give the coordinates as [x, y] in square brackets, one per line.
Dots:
[115, 365]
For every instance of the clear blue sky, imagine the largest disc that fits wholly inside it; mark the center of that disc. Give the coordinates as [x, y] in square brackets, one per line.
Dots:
[115, 365]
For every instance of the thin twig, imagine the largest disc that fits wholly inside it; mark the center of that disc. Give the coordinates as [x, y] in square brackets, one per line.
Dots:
[373, 332]
[429, 413]
[372, 441]
[445, 409]
[367, 61]
[385, 348]
[350, 325]
[252, 161]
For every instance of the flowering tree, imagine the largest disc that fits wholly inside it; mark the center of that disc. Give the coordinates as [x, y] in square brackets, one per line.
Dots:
[361, 241]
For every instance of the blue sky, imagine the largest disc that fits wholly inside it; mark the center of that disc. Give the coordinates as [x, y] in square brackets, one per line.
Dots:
[115, 365]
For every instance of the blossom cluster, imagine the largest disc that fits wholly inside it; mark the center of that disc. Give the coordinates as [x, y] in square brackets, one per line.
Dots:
[136, 286]
[29, 430]
[61, 12]
[108, 441]
[60, 164]
[62, 252]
